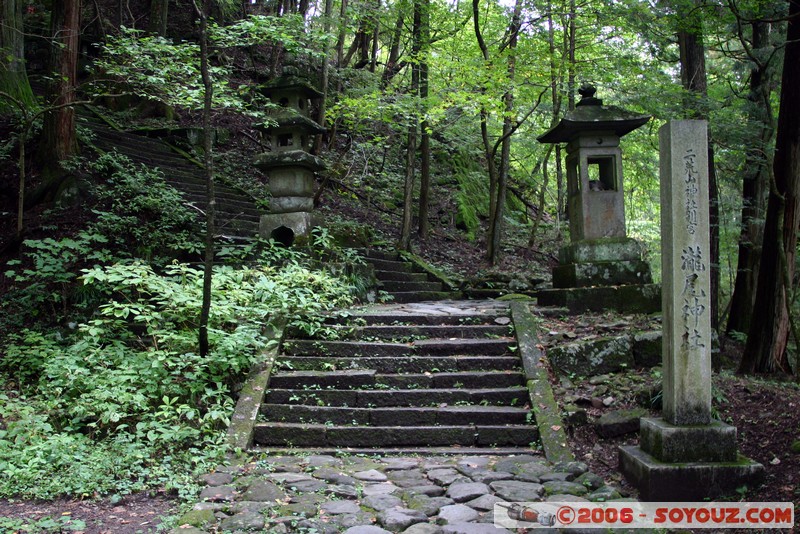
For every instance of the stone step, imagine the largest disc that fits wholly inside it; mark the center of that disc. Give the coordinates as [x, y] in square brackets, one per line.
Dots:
[392, 265]
[410, 450]
[511, 396]
[394, 416]
[380, 254]
[411, 318]
[398, 276]
[407, 364]
[392, 286]
[352, 379]
[411, 332]
[311, 435]
[423, 347]
[421, 296]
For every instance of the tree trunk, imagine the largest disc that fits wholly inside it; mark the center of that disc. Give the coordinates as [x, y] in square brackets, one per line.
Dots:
[411, 149]
[496, 222]
[158, 17]
[13, 78]
[342, 34]
[755, 186]
[425, 137]
[693, 76]
[59, 140]
[326, 69]
[392, 66]
[769, 331]
[208, 161]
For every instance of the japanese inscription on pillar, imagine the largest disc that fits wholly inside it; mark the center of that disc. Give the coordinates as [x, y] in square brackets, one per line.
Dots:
[685, 272]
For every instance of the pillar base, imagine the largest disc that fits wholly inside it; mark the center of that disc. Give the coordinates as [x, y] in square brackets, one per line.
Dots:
[624, 299]
[683, 482]
[714, 442]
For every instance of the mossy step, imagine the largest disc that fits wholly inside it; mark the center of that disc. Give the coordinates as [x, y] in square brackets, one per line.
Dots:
[350, 379]
[423, 347]
[406, 364]
[392, 265]
[392, 286]
[311, 435]
[419, 331]
[136, 148]
[391, 318]
[392, 276]
[404, 297]
[511, 396]
[394, 416]
[380, 254]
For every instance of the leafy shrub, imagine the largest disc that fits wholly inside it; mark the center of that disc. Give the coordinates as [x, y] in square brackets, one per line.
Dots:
[138, 215]
[124, 402]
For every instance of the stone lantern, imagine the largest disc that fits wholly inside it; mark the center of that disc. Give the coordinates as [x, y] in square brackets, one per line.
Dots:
[288, 165]
[599, 253]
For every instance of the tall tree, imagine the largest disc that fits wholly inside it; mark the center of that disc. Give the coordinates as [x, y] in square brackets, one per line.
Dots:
[425, 136]
[208, 161]
[159, 11]
[755, 169]
[768, 336]
[13, 77]
[59, 140]
[411, 146]
[694, 78]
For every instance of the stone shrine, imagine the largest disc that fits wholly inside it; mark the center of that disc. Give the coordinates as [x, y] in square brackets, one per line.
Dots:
[686, 455]
[288, 165]
[599, 253]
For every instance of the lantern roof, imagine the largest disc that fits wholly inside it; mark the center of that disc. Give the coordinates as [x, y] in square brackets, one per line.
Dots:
[591, 117]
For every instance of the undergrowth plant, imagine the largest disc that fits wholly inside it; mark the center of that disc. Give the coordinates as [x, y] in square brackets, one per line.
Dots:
[104, 391]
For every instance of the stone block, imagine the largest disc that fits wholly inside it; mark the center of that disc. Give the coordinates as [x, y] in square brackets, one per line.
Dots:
[300, 223]
[715, 442]
[624, 249]
[624, 299]
[647, 349]
[606, 273]
[288, 182]
[683, 482]
[619, 422]
[291, 204]
[596, 357]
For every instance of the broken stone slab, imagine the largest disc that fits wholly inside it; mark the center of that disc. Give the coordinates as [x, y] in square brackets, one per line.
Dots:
[243, 521]
[619, 422]
[466, 491]
[423, 528]
[366, 529]
[340, 507]
[380, 503]
[383, 488]
[218, 494]
[484, 503]
[473, 528]
[647, 349]
[517, 491]
[396, 519]
[445, 476]
[555, 487]
[371, 475]
[598, 356]
[457, 513]
[216, 479]
[430, 506]
[263, 491]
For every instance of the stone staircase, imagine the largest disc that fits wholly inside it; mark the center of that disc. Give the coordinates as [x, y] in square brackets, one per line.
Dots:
[404, 280]
[434, 378]
[237, 215]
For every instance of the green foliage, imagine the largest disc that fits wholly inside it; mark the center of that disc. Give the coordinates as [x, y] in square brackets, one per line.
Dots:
[156, 68]
[138, 215]
[124, 402]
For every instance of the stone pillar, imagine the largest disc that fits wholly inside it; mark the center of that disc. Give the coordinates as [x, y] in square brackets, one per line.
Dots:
[685, 268]
[686, 455]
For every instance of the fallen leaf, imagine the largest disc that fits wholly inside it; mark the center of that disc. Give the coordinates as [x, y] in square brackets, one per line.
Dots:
[555, 428]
